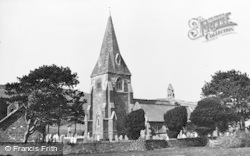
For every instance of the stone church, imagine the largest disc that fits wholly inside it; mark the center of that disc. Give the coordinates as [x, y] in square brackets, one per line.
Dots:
[111, 95]
[109, 100]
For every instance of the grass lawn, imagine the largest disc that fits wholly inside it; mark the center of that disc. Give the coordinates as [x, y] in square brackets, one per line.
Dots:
[191, 151]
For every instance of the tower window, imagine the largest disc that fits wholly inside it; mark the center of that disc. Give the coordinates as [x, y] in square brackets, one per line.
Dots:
[98, 121]
[119, 84]
[118, 59]
[98, 85]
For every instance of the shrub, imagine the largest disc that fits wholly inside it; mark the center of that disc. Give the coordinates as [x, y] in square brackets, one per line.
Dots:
[189, 142]
[134, 123]
[210, 113]
[172, 134]
[156, 144]
[227, 142]
[175, 119]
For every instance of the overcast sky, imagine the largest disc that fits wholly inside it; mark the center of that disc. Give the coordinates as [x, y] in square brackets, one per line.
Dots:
[152, 37]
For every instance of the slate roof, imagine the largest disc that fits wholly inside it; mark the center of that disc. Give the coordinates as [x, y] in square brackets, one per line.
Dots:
[154, 113]
[181, 102]
[154, 109]
[109, 52]
[12, 117]
[187, 103]
[146, 101]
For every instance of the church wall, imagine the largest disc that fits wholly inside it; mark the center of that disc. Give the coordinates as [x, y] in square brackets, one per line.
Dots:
[103, 96]
[120, 99]
[97, 114]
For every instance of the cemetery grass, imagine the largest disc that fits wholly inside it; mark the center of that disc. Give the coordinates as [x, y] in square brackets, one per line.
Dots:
[189, 151]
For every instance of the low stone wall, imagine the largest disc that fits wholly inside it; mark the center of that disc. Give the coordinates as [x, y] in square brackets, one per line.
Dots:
[104, 147]
[156, 144]
[188, 142]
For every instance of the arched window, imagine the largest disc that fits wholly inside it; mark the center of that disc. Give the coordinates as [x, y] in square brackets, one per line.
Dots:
[119, 84]
[98, 84]
[98, 121]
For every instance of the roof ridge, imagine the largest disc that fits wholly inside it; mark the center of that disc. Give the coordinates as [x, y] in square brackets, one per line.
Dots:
[10, 114]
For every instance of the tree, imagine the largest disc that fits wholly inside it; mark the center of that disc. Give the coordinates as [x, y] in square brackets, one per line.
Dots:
[42, 93]
[175, 119]
[209, 114]
[233, 87]
[38, 114]
[76, 112]
[134, 123]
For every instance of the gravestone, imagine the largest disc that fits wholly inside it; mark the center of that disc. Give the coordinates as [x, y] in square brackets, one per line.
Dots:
[120, 137]
[56, 138]
[116, 138]
[61, 138]
[142, 134]
[183, 136]
[126, 137]
[47, 138]
[195, 135]
[110, 137]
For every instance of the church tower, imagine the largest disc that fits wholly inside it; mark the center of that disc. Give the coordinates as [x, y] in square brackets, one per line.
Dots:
[111, 91]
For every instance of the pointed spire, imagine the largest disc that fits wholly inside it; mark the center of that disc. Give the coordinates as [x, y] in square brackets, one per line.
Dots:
[110, 59]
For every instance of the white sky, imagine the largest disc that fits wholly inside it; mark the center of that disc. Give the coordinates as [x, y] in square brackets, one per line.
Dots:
[152, 37]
